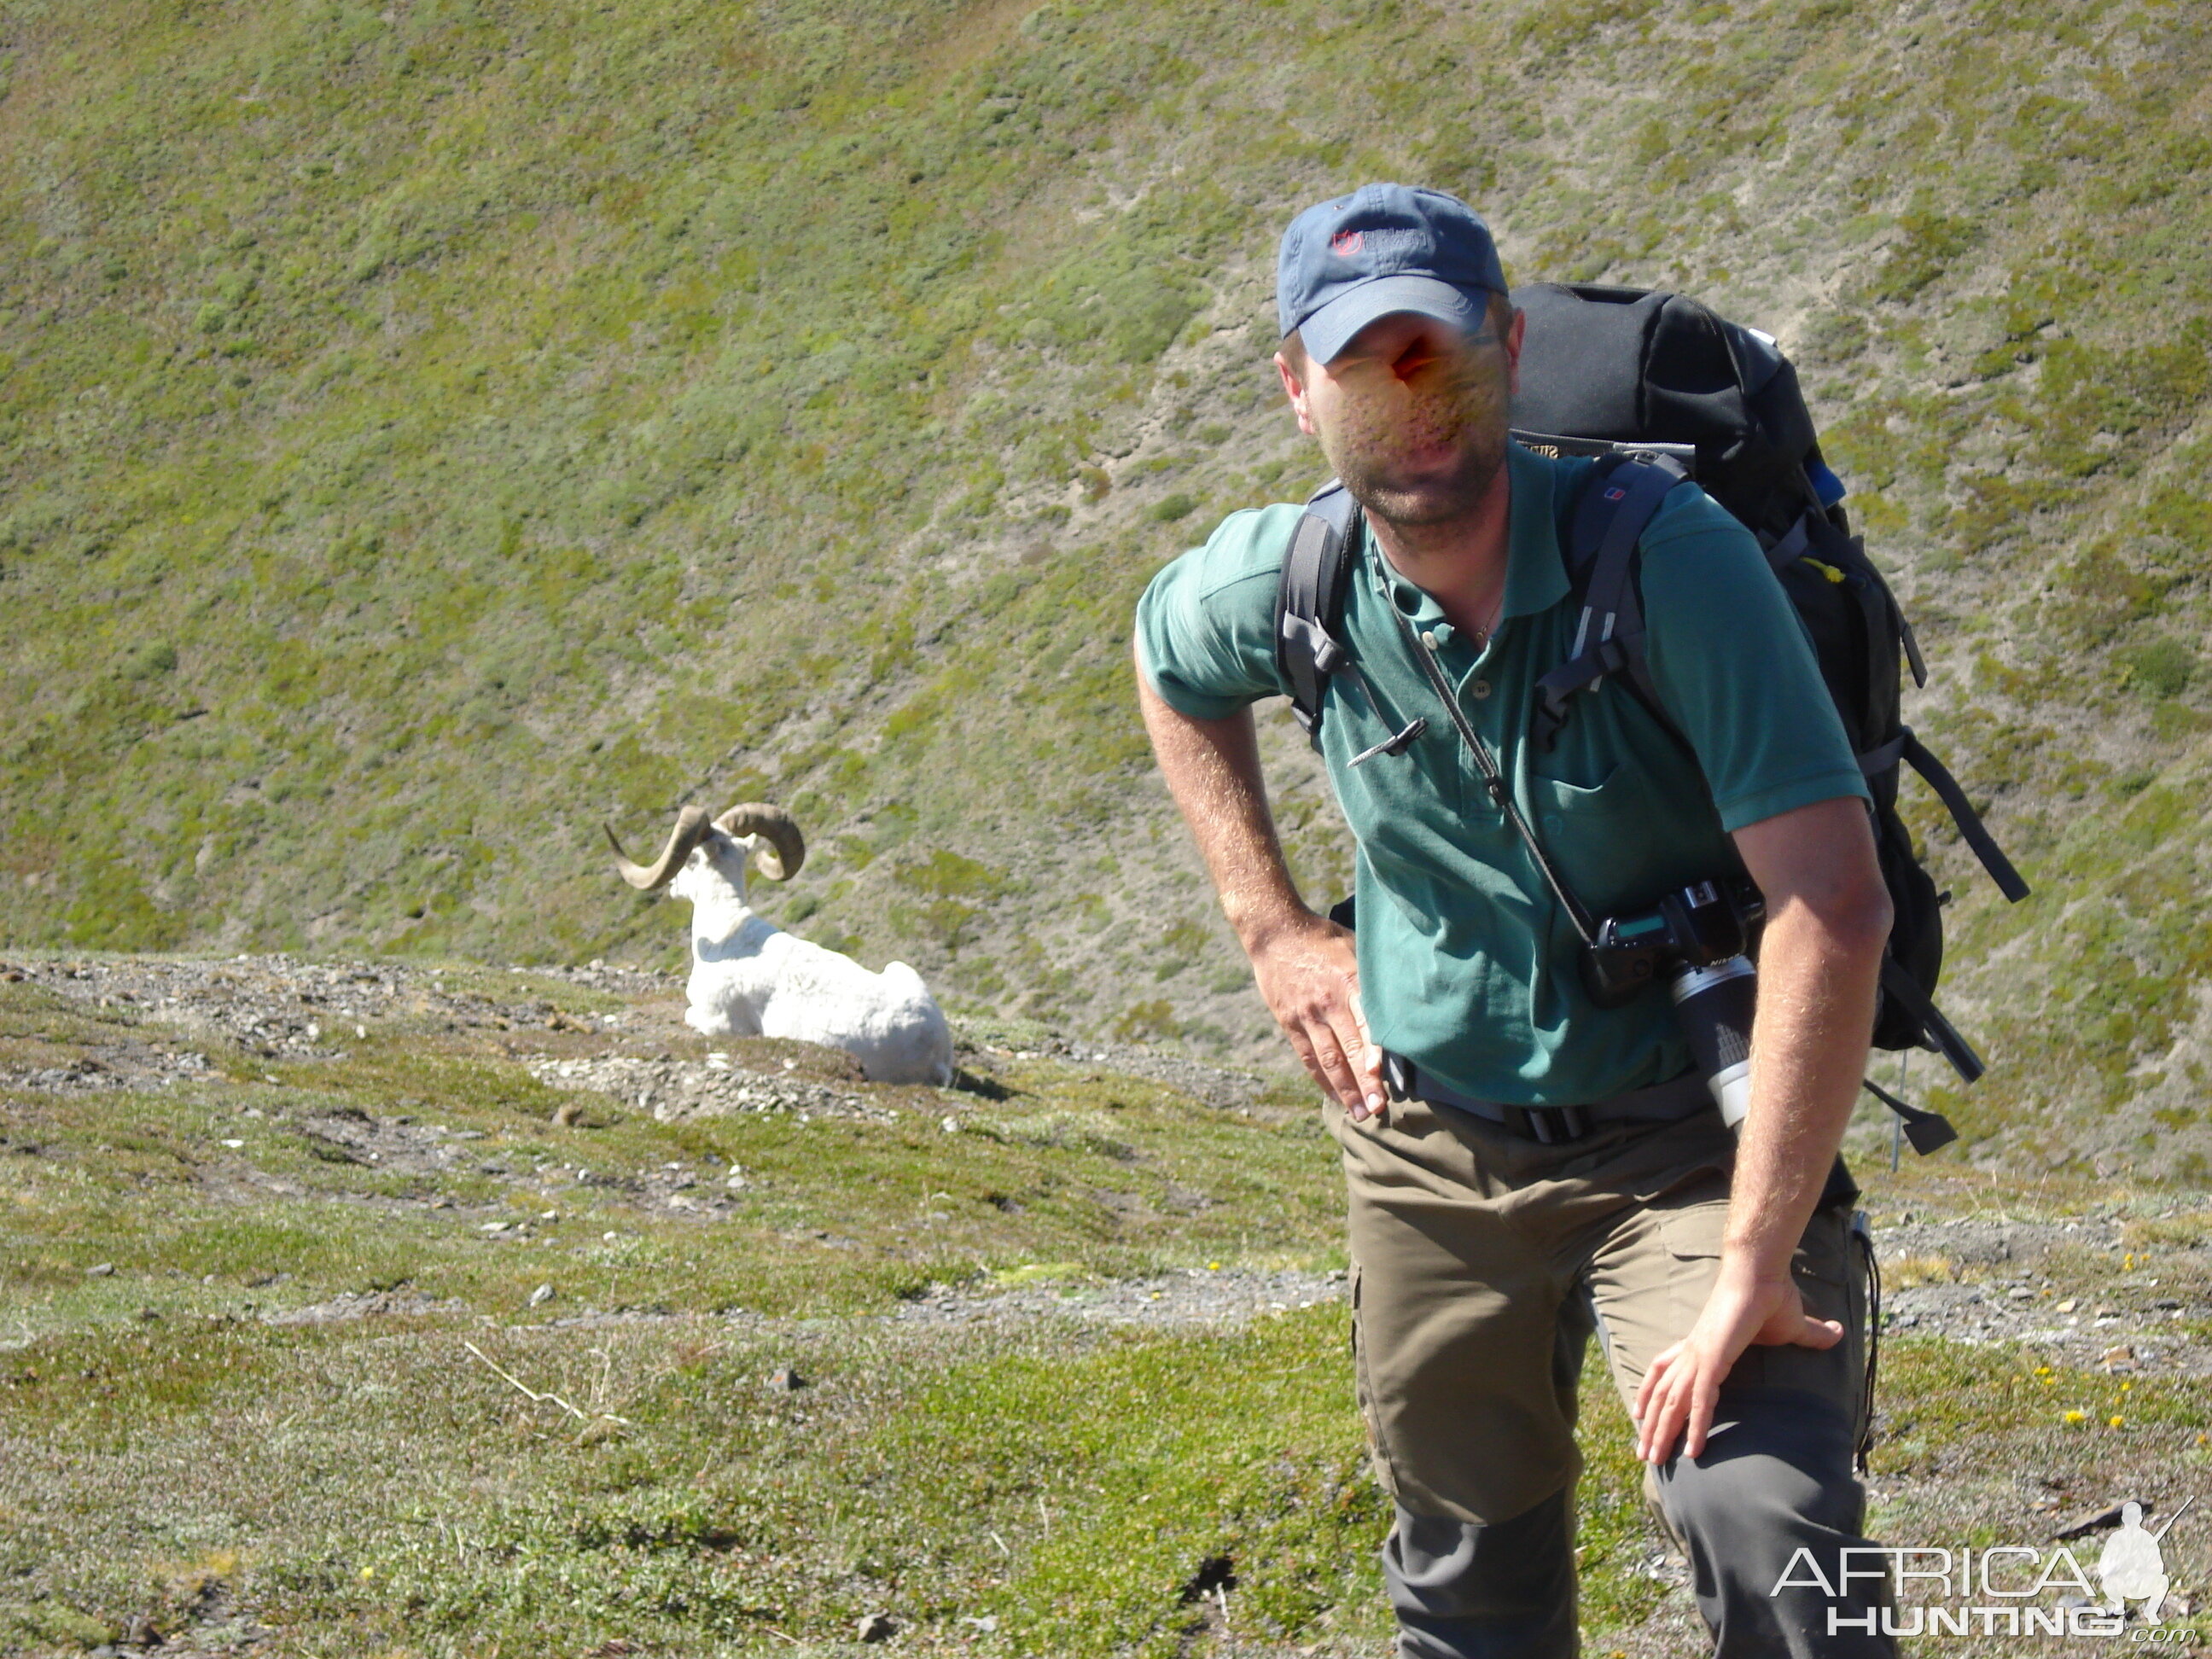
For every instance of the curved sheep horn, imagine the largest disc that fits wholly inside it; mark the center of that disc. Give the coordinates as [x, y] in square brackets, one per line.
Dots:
[787, 849]
[691, 828]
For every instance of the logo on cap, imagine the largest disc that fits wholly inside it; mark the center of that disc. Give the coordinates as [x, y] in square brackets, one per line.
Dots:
[1345, 243]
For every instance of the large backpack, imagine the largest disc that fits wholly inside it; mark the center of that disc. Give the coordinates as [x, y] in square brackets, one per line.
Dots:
[1660, 389]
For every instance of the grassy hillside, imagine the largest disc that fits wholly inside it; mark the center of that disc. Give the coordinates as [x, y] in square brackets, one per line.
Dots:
[430, 429]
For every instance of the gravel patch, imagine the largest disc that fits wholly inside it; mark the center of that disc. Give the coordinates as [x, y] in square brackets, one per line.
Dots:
[2009, 1289]
[995, 1041]
[349, 1305]
[674, 1090]
[280, 1007]
[1196, 1296]
[112, 1065]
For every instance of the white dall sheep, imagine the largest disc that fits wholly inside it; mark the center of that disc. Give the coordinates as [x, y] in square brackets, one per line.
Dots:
[749, 978]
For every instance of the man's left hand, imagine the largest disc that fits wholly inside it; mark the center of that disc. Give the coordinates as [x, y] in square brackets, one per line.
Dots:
[1678, 1393]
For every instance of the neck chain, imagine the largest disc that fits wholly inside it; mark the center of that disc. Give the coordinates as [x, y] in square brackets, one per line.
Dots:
[1480, 633]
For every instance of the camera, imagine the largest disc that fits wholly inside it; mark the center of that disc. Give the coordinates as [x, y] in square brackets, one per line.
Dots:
[1699, 926]
[1698, 940]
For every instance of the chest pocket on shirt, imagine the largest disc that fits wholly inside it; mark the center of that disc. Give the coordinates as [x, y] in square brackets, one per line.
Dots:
[1602, 834]
[1561, 805]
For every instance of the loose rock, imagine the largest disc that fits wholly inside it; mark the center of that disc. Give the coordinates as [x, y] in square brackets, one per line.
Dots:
[675, 1091]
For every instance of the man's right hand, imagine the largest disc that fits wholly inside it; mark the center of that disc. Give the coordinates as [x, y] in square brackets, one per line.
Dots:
[1308, 972]
[1309, 976]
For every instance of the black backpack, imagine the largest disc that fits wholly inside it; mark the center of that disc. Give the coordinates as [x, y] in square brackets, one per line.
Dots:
[1660, 389]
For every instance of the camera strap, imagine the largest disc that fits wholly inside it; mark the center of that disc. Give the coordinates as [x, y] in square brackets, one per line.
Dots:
[1493, 779]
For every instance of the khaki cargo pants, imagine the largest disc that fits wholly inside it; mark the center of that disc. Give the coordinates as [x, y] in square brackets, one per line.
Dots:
[1481, 1263]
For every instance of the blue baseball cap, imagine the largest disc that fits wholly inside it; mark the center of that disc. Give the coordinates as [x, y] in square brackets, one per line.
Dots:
[1384, 248]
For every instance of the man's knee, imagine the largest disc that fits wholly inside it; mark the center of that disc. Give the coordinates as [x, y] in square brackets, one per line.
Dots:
[1465, 1591]
[1779, 1469]
[1772, 1517]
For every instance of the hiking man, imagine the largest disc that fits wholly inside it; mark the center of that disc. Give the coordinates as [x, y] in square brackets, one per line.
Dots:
[1491, 1228]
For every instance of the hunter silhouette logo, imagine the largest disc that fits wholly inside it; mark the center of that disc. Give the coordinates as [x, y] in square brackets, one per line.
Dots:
[2133, 1567]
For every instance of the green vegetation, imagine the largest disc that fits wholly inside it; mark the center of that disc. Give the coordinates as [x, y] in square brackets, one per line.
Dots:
[254, 1372]
[276, 1358]
[429, 434]
[1114, 1175]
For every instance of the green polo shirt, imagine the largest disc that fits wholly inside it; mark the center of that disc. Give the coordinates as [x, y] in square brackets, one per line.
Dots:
[1467, 963]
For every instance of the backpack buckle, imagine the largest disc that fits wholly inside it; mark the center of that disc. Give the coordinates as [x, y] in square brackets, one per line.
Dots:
[1548, 721]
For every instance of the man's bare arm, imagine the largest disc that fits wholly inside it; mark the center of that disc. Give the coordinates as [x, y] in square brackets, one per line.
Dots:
[1819, 968]
[1828, 917]
[1305, 966]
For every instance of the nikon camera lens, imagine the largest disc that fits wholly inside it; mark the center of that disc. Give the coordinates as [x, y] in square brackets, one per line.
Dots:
[1714, 1004]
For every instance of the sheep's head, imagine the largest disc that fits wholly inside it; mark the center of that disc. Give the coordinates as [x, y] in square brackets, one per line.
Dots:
[765, 832]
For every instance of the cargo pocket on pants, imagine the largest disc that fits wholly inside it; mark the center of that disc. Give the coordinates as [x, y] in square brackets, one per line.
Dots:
[1825, 1268]
[1691, 1239]
[1363, 1386]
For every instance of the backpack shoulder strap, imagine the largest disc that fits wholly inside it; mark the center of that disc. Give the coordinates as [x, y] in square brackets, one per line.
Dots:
[1970, 827]
[1615, 506]
[1309, 602]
